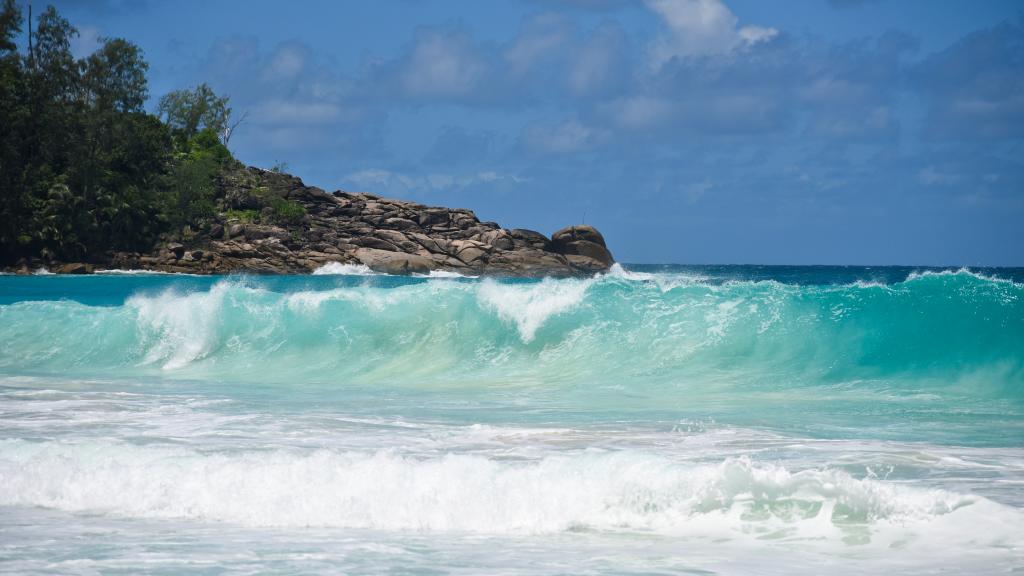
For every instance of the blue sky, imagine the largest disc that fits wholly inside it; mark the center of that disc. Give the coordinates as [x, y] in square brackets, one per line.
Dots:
[691, 131]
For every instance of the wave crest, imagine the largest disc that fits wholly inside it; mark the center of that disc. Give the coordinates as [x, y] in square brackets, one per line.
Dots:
[528, 306]
[591, 331]
[339, 269]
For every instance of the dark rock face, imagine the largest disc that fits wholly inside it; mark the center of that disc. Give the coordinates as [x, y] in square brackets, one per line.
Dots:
[581, 232]
[392, 236]
[584, 246]
[74, 268]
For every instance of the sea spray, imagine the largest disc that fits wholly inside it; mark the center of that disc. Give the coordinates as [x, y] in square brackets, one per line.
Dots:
[337, 268]
[529, 306]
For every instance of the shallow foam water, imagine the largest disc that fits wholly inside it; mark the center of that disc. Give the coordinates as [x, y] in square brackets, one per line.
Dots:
[655, 420]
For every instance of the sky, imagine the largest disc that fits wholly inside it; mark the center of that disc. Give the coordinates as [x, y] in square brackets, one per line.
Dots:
[687, 131]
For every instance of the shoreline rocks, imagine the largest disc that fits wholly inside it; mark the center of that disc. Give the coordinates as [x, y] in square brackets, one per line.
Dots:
[387, 235]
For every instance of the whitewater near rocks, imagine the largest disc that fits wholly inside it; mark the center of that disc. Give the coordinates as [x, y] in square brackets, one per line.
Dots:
[651, 420]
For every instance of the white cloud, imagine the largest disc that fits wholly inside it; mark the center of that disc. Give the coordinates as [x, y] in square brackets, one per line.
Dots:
[932, 176]
[287, 62]
[559, 138]
[294, 103]
[641, 112]
[370, 177]
[831, 90]
[596, 61]
[700, 27]
[540, 37]
[380, 181]
[755, 34]
[442, 65]
[696, 190]
[291, 112]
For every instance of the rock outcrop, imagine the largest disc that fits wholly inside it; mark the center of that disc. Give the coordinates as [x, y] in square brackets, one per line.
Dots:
[74, 268]
[392, 236]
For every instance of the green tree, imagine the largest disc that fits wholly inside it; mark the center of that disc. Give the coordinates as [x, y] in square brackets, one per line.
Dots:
[52, 58]
[83, 168]
[121, 151]
[59, 220]
[14, 114]
[193, 179]
[115, 77]
[92, 161]
[128, 197]
[49, 91]
[10, 26]
[188, 112]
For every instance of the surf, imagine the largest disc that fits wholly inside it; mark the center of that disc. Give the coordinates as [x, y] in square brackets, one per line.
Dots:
[664, 327]
[614, 491]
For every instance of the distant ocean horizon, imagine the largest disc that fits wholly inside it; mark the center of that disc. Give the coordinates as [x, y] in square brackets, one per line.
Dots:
[723, 419]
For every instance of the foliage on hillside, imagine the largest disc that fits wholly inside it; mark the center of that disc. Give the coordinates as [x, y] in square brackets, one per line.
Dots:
[84, 169]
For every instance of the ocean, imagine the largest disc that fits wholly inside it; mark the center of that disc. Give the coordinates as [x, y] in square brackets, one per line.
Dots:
[653, 420]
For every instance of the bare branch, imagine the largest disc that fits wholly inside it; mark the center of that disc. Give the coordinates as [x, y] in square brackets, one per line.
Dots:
[231, 129]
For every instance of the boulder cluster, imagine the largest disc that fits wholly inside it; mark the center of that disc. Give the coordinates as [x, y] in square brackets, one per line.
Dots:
[391, 236]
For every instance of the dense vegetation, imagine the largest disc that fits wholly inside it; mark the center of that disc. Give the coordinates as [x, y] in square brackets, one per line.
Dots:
[84, 169]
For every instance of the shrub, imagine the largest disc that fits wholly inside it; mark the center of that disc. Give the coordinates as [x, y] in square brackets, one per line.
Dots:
[243, 215]
[287, 211]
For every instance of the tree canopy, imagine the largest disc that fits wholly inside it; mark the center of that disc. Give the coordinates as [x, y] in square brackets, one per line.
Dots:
[188, 112]
[84, 169]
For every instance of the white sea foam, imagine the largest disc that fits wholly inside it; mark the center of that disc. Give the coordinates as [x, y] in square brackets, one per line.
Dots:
[719, 318]
[176, 329]
[119, 271]
[664, 281]
[339, 269]
[386, 490]
[447, 274]
[865, 284]
[916, 275]
[617, 271]
[529, 306]
[373, 299]
[42, 271]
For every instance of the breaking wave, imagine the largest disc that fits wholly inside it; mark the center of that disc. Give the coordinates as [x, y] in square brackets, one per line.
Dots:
[339, 269]
[616, 325]
[468, 493]
[658, 327]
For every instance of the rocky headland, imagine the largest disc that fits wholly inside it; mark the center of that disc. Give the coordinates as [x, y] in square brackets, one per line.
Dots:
[271, 223]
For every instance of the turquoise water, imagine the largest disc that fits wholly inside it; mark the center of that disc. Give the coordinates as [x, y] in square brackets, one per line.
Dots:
[653, 420]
